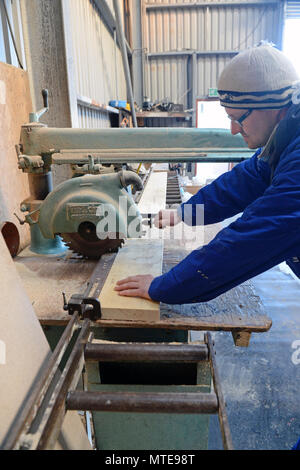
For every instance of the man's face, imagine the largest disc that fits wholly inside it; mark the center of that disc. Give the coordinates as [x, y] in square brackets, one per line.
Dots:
[257, 127]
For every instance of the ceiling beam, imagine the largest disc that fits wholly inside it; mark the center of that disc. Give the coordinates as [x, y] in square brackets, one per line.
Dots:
[153, 55]
[172, 6]
[108, 19]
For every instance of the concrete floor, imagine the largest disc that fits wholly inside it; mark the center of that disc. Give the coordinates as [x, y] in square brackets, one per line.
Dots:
[261, 383]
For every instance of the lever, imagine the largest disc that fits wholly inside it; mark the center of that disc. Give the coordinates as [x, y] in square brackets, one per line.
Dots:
[45, 97]
[22, 222]
[65, 307]
[35, 117]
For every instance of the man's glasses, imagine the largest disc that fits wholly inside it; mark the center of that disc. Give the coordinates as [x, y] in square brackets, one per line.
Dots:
[243, 117]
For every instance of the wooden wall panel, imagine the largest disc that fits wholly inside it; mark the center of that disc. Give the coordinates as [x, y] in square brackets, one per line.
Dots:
[15, 106]
[24, 351]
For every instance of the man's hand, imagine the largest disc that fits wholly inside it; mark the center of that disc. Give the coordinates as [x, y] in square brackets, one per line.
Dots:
[135, 286]
[167, 218]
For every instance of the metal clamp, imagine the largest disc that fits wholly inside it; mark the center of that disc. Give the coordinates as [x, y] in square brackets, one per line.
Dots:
[87, 307]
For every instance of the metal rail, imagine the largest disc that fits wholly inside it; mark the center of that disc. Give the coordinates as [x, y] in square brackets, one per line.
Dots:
[55, 412]
[204, 5]
[173, 195]
[47, 373]
[224, 425]
[145, 352]
[205, 403]
[153, 156]
[65, 396]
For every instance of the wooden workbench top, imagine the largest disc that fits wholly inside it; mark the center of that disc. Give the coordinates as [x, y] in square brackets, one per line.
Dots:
[46, 277]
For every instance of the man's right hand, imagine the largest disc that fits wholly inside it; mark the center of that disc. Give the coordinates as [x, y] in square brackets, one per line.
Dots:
[167, 218]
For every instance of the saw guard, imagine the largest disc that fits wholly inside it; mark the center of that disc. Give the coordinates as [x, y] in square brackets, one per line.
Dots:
[77, 201]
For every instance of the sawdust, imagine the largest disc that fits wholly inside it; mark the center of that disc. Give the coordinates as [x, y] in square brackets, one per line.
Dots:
[46, 278]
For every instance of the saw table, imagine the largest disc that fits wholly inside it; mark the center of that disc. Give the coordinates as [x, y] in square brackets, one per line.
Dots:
[144, 380]
[146, 384]
[46, 278]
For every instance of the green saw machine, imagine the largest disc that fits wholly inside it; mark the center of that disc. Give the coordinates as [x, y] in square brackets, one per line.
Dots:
[97, 158]
[68, 216]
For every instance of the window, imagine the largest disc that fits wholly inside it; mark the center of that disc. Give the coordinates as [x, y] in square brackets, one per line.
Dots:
[291, 33]
[11, 36]
[210, 114]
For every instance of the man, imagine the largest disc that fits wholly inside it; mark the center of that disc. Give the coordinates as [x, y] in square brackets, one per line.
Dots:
[256, 89]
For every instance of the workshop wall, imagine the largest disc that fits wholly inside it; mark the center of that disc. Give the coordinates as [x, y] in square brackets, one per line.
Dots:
[97, 59]
[97, 62]
[188, 44]
[71, 51]
[15, 106]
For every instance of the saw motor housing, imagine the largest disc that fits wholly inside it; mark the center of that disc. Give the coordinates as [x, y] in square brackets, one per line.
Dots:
[92, 200]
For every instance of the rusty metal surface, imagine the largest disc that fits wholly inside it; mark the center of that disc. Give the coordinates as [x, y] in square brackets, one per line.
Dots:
[145, 352]
[30, 409]
[55, 412]
[143, 402]
[223, 419]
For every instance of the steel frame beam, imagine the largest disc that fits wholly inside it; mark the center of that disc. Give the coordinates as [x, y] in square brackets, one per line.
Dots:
[109, 20]
[184, 6]
[154, 55]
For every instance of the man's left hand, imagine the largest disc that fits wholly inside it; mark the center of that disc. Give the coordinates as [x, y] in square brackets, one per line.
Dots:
[135, 286]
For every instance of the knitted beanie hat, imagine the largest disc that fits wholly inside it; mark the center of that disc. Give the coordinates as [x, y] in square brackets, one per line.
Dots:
[261, 77]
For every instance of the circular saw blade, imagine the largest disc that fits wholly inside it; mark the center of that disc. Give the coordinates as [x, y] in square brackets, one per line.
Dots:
[86, 242]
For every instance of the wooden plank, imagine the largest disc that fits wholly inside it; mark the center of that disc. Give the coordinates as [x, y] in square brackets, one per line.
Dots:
[241, 338]
[138, 256]
[157, 167]
[239, 309]
[192, 189]
[154, 195]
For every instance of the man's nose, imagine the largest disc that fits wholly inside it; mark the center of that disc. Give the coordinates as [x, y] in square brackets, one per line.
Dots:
[235, 128]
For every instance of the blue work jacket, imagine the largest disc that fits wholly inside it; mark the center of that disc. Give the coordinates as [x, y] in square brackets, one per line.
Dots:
[266, 233]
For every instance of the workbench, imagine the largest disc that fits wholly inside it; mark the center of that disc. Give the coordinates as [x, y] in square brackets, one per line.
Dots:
[45, 278]
[164, 399]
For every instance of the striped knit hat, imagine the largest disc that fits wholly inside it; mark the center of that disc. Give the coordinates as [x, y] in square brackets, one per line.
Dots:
[258, 78]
